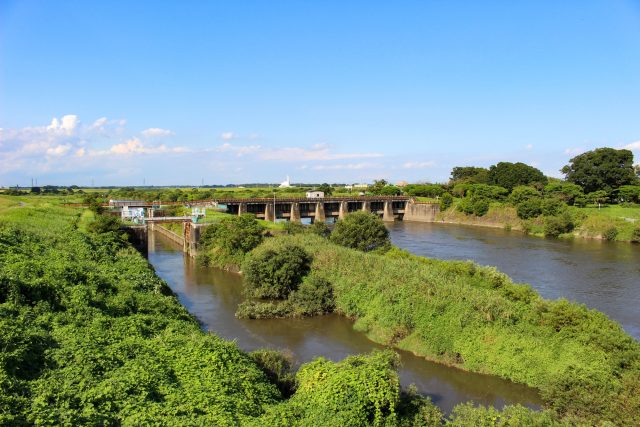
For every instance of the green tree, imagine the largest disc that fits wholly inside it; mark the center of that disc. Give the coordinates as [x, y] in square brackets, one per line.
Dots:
[276, 273]
[629, 193]
[565, 191]
[446, 201]
[326, 189]
[378, 185]
[235, 234]
[361, 230]
[510, 175]
[598, 197]
[601, 169]
[530, 208]
[470, 175]
[523, 193]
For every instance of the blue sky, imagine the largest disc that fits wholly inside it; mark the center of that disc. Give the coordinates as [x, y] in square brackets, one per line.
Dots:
[241, 91]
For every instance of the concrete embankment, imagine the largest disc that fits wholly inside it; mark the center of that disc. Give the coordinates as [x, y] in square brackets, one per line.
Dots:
[421, 212]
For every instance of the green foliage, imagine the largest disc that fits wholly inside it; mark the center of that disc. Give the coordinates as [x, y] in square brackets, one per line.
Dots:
[361, 230]
[277, 367]
[446, 200]
[484, 191]
[610, 233]
[522, 193]
[389, 190]
[565, 191]
[465, 205]
[599, 196]
[557, 225]
[529, 208]
[480, 207]
[225, 242]
[275, 273]
[104, 224]
[468, 415]
[552, 206]
[510, 175]
[635, 236]
[470, 175]
[326, 189]
[601, 169]
[293, 227]
[320, 228]
[476, 318]
[424, 190]
[629, 193]
[313, 297]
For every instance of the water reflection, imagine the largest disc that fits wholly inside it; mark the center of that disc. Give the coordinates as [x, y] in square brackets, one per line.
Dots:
[213, 295]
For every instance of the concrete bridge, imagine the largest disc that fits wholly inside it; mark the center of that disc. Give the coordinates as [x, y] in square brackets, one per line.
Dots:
[389, 208]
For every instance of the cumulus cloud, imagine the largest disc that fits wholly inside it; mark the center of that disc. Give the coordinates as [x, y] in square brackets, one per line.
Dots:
[66, 125]
[59, 150]
[156, 132]
[418, 165]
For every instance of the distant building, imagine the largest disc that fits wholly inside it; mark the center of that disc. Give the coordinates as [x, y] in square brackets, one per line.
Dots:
[132, 213]
[286, 184]
[356, 186]
[315, 194]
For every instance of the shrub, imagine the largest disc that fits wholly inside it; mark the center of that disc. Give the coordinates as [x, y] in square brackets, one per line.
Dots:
[104, 224]
[314, 296]
[363, 231]
[552, 206]
[292, 227]
[523, 193]
[529, 208]
[557, 225]
[465, 206]
[480, 207]
[235, 234]
[610, 233]
[446, 201]
[580, 201]
[320, 228]
[635, 235]
[275, 273]
[277, 368]
[565, 191]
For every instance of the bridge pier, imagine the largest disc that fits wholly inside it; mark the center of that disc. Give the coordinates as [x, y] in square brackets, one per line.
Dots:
[344, 210]
[269, 212]
[295, 212]
[387, 213]
[242, 208]
[320, 216]
[366, 206]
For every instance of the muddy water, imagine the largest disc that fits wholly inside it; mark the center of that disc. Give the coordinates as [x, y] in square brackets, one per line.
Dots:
[213, 295]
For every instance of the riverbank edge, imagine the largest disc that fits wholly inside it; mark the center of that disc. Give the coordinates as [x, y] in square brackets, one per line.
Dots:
[452, 217]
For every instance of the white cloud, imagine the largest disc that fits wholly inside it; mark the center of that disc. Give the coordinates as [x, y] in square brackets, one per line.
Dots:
[528, 147]
[347, 166]
[67, 125]
[634, 146]
[58, 150]
[418, 165]
[156, 132]
[136, 146]
[228, 136]
[238, 150]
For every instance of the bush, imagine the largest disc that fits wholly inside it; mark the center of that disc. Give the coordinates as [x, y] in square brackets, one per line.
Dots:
[363, 231]
[446, 201]
[529, 208]
[313, 297]
[580, 201]
[610, 233]
[557, 225]
[320, 228]
[277, 368]
[480, 207]
[465, 206]
[275, 273]
[635, 235]
[552, 206]
[292, 227]
[104, 224]
[235, 234]
[523, 193]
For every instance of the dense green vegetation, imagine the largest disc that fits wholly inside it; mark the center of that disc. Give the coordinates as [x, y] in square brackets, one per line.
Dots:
[474, 317]
[89, 335]
[363, 231]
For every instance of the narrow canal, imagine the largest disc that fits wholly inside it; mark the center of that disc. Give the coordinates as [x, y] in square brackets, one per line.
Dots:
[213, 295]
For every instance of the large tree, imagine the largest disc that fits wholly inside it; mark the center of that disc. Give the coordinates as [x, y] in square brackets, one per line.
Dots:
[601, 169]
[510, 175]
[470, 175]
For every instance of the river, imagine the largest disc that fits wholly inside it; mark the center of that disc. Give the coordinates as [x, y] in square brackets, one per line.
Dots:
[602, 275]
[212, 296]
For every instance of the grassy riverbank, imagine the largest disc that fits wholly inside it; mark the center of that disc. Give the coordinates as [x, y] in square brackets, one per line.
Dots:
[89, 335]
[610, 222]
[586, 367]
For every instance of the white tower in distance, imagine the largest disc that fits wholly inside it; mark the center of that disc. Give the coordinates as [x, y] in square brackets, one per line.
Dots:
[286, 183]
